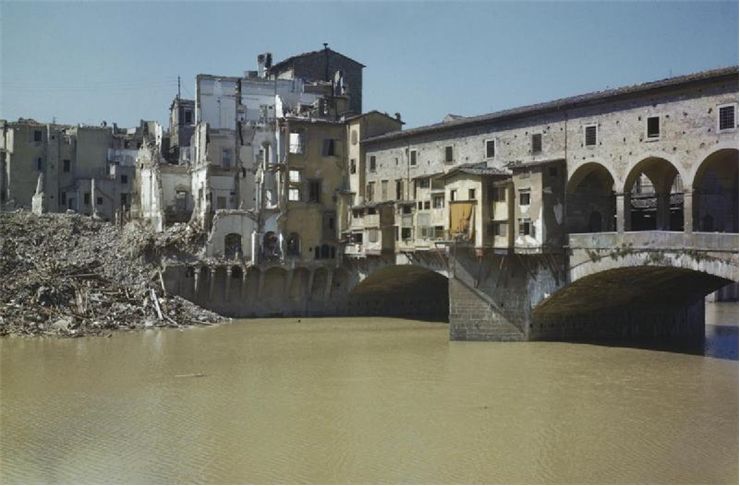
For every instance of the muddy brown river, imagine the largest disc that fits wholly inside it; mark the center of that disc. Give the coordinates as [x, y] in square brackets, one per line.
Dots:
[363, 400]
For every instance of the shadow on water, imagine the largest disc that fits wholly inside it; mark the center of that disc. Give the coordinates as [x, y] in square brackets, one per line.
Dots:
[721, 342]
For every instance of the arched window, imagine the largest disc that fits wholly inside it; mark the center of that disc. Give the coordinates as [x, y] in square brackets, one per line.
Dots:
[294, 245]
[233, 245]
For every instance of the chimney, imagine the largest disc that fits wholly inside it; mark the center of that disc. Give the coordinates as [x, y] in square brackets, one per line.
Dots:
[264, 62]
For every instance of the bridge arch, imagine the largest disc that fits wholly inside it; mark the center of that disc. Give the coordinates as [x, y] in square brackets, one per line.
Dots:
[591, 202]
[653, 190]
[402, 290]
[662, 304]
[715, 192]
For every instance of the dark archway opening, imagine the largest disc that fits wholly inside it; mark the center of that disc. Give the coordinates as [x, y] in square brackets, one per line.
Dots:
[716, 193]
[653, 197]
[233, 245]
[402, 291]
[654, 307]
[591, 203]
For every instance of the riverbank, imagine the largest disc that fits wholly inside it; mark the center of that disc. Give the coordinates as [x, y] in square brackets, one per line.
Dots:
[72, 275]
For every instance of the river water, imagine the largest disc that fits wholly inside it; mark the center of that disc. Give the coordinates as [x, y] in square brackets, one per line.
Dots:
[362, 400]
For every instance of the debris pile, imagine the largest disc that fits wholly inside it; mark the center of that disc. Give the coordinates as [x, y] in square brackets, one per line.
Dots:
[72, 275]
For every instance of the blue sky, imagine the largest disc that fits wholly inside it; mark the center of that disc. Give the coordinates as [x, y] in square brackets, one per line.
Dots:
[86, 62]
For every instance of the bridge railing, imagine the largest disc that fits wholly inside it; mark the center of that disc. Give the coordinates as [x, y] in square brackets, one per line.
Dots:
[658, 240]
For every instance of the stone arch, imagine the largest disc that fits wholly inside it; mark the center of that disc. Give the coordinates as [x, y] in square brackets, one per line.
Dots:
[715, 192]
[233, 245]
[653, 196]
[299, 284]
[590, 198]
[273, 290]
[318, 286]
[293, 245]
[402, 290]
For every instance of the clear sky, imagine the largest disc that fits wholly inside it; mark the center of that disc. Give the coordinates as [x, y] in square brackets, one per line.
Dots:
[86, 62]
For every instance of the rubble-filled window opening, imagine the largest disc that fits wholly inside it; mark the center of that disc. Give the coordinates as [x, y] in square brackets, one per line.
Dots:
[589, 135]
[37, 135]
[471, 194]
[270, 246]
[525, 227]
[314, 191]
[294, 245]
[727, 117]
[438, 201]
[66, 165]
[490, 149]
[653, 127]
[399, 189]
[536, 143]
[524, 197]
[453, 194]
[383, 190]
[233, 245]
[412, 157]
[449, 156]
[352, 166]
[329, 147]
[295, 143]
[372, 163]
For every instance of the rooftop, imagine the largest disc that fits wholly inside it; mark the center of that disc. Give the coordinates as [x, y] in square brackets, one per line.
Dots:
[289, 61]
[582, 100]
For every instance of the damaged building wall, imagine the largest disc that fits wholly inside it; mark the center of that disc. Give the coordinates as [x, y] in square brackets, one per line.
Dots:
[231, 235]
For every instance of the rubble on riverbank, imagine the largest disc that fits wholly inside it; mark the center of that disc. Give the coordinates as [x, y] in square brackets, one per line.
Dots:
[72, 275]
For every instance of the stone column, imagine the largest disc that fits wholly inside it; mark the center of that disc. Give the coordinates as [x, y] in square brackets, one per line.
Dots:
[243, 288]
[663, 211]
[622, 219]
[196, 280]
[688, 211]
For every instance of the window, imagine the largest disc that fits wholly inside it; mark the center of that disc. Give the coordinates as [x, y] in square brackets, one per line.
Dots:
[498, 194]
[412, 157]
[405, 233]
[420, 205]
[438, 201]
[372, 163]
[314, 191]
[439, 232]
[124, 179]
[39, 164]
[66, 165]
[354, 137]
[427, 204]
[294, 194]
[86, 198]
[295, 143]
[727, 117]
[500, 228]
[329, 147]
[221, 202]
[370, 191]
[383, 190]
[471, 194]
[453, 194]
[99, 201]
[226, 158]
[553, 171]
[524, 197]
[352, 166]
[653, 127]
[490, 149]
[188, 116]
[589, 135]
[448, 154]
[536, 143]
[294, 185]
[37, 135]
[294, 176]
[372, 235]
[525, 227]
[63, 198]
[399, 189]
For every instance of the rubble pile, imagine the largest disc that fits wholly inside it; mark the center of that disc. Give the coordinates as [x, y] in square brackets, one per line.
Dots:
[72, 275]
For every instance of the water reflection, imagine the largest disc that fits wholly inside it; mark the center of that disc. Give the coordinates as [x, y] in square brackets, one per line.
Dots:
[721, 330]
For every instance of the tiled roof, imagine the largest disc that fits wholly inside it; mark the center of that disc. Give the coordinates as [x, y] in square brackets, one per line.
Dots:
[535, 163]
[477, 168]
[292, 59]
[564, 103]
